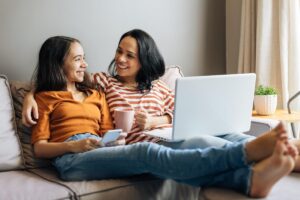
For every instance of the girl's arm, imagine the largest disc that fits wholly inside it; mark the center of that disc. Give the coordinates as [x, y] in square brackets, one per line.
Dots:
[45, 149]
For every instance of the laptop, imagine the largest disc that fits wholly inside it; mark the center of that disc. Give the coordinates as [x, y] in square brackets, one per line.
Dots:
[211, 105]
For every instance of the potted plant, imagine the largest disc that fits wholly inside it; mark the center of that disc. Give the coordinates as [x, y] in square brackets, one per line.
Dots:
[265, 100]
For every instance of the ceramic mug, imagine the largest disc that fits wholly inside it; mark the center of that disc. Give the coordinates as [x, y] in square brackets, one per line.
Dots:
[124, 118]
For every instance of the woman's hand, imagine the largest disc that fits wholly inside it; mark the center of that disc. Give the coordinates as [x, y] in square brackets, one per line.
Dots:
[30, 112]
[120, 141]
[146, 121]
[79, 146]
[143, 120]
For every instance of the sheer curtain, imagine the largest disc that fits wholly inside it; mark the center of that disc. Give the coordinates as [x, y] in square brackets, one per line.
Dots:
[270, 45]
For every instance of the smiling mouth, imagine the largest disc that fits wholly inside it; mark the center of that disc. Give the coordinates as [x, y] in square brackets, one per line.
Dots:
[80, 72]
[122, 67]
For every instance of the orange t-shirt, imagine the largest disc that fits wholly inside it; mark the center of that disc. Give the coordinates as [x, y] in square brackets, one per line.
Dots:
[60, 116]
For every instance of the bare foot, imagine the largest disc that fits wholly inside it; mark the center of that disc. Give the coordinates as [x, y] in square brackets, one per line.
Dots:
[297, 165]
[296, 142]
[263, 146]
[267, 172]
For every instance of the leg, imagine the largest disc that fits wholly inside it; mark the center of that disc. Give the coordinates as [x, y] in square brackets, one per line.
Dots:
[259, 148]
[197, 142]
[236, 137]
[120, 161]
[264, 174]
[205, 141]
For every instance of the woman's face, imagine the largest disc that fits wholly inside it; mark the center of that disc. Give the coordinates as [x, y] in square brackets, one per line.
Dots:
[127, 59]
[75, 64]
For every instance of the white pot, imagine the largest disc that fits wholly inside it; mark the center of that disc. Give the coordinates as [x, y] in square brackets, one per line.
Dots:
[265, 104]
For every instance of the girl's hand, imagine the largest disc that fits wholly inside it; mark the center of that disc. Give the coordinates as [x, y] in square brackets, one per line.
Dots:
[120, 141]
[143, 120]
[30, 110]
[84, 145]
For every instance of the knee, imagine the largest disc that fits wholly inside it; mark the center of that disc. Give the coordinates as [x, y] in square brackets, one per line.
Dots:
[145, 149]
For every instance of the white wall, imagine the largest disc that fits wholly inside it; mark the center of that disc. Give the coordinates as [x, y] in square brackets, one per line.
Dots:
[190, 33]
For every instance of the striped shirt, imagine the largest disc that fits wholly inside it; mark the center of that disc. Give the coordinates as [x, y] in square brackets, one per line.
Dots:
[159, 101]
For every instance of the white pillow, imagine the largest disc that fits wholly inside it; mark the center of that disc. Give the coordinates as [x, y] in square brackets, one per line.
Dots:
[170, 76]
[10, 151]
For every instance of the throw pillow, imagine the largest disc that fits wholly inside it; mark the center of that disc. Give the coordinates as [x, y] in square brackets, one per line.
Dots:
[10, 150]
[172, 73]
[19, 91]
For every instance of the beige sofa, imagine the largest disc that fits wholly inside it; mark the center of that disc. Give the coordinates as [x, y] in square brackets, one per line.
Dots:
[24, 177]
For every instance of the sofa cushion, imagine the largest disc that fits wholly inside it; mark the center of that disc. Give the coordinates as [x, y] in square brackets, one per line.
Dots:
[16, 185]
[131, 188]
[10, 151]
[19, 90]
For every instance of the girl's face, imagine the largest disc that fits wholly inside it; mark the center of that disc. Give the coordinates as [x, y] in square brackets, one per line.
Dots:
[75, 64]
[127, 60]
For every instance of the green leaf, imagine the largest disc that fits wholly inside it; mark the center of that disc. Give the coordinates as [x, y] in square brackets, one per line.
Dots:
[265, 90]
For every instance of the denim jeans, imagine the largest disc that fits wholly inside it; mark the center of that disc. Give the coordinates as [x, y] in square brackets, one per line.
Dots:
[213, 166]
[204, 141]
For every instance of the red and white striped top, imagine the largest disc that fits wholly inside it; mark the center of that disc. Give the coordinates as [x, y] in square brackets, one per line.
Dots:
[158, 101]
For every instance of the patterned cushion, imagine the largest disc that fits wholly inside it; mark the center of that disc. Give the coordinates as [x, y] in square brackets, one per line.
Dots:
[10, 151]
[19, 90]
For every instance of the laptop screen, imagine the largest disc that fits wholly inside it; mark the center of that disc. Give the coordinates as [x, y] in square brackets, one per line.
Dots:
[213, 105]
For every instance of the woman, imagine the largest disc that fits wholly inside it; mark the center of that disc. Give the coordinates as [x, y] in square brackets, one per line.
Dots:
[133, 82]
[65, 98]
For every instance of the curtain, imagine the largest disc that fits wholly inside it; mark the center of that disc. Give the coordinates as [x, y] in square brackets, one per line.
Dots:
[270, 45]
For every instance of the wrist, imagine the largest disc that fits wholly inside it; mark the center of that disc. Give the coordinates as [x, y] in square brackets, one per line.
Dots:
[154, 121]
[70, 146]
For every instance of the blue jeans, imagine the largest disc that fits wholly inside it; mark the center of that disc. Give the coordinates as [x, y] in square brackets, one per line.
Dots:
[204, 141]
[223, 167]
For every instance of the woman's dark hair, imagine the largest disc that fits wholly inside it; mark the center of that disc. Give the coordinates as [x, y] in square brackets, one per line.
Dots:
[49, 74]
[152, 63]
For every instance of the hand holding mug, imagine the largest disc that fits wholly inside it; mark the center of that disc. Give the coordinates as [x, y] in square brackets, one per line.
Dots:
[143, 119]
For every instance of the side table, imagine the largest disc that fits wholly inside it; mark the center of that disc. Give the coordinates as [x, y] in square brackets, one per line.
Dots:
[281, 115]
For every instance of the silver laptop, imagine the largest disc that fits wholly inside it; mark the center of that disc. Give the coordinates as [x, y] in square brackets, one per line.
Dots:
[212, 105]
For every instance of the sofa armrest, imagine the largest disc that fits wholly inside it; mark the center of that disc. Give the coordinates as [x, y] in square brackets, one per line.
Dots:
[259, 126]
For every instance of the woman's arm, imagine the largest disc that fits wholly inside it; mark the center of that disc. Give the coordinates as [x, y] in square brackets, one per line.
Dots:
[45, 149]
[30, 112]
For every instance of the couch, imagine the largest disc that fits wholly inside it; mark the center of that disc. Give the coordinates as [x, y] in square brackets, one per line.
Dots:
[22, 176]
